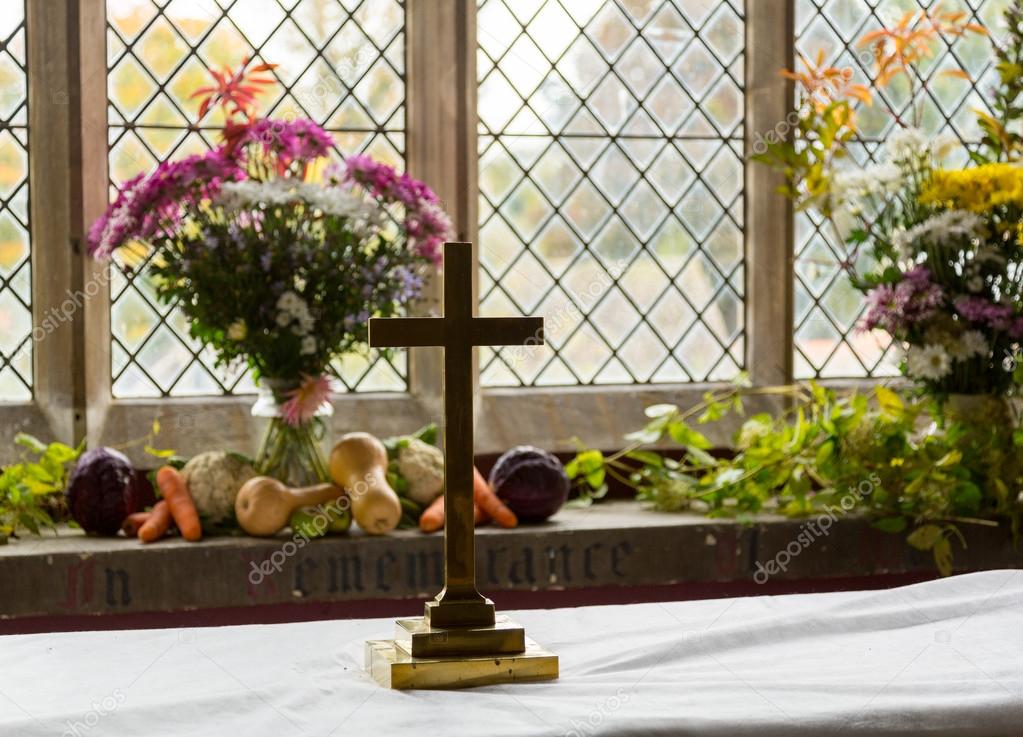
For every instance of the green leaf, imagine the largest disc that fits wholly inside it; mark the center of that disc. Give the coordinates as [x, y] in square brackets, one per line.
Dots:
[701, 456]
[943, 556]
[924, 537]
[595, 479]
[682, 434]
[890, 524]
[27, 441]
[156, 452]
[889, 401]
[647, 457]
[824, 452]
[951, 458]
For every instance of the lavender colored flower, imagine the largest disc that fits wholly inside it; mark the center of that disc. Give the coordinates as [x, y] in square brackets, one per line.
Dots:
[985, 312]
[898, 307]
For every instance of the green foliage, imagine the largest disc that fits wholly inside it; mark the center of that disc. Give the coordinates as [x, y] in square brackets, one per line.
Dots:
[807, 155]
[909, 466]
[1002, 139]
[29, 487]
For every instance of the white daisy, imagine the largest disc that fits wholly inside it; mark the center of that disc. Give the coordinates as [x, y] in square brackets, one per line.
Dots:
[928, 362]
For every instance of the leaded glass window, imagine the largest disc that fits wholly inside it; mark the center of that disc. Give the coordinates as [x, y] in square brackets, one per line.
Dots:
[341, 63]
[15, 252]
[611, 187]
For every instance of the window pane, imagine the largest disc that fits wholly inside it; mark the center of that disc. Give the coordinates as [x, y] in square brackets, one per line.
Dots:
[828, 310]
[15, 255]
[611, 187]
[341, 63]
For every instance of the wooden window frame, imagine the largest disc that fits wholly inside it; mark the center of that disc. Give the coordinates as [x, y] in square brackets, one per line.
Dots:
[68, 172]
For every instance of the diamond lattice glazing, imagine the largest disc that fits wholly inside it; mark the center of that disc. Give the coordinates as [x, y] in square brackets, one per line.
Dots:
[341, 63]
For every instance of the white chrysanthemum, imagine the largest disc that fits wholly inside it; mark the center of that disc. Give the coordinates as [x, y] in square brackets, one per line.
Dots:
[948, 227]
[928, 362]
[308, 345]
[973, 343]
[907, 146]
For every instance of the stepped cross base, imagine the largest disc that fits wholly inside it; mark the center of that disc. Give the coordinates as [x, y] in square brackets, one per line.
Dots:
[424, 654]
[458, 657]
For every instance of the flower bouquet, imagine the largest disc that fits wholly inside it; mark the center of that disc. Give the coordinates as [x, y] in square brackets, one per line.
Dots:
[277, 258]
[937, 251]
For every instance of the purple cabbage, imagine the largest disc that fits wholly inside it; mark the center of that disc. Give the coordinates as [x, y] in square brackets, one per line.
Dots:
[104, 489]
[531, 481]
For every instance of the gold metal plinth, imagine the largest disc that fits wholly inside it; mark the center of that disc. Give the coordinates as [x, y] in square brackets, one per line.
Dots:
[392, 667]
[417, 638]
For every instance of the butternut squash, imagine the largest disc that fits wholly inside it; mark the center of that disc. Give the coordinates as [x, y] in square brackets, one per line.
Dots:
[359, 464]
[264, 505]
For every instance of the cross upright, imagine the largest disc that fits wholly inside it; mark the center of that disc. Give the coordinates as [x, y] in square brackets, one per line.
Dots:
[459, 604]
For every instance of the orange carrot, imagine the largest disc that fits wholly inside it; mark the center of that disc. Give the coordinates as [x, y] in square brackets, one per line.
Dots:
[432, 518]
[133, 522]
[480, 516]
[157, 525]
[485, 497]
[179, 500]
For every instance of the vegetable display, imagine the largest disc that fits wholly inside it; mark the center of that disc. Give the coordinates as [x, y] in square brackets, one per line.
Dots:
[213, 479]
[358, 463]
[264, 505]
[531, 481]
[179, 501]
[104, 489]
[157, 524]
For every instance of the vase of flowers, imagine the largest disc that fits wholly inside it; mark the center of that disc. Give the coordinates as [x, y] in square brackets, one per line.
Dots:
[278, 258]
[937, 252]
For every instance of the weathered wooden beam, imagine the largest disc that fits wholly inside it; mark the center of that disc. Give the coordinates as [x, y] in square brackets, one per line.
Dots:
[768, 227]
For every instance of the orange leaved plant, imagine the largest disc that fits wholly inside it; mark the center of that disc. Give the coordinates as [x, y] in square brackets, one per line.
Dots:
[911, 40]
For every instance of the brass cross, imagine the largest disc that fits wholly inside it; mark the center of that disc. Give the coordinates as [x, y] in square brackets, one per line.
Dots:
[459, 603]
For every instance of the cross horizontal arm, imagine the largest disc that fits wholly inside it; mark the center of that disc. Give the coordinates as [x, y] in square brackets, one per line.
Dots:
[405, 332]
[507, 331]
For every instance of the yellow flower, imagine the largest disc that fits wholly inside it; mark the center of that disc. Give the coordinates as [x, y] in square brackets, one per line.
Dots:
[979, 189]
[895, 462]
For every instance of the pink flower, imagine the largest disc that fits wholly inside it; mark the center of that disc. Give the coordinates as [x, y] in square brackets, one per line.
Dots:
[305, 402]
[299, 140]
[898, 307]
[426, 224]
[151, 206]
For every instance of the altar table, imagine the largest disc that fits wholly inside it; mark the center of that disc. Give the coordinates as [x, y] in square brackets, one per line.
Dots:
[938, 658]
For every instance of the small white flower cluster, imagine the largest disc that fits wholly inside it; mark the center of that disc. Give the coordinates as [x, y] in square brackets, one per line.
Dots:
[294, 311]
[330, 200]
[949, 227]
[911, 147]
[971, 343]
[906, 152]
[933, 361]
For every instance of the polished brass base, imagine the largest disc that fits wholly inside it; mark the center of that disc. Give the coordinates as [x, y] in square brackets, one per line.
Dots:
[421, 640]
[393, 667]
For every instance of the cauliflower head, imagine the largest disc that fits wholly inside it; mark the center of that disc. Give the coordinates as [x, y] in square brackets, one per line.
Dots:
[214, 478]
[422, 466]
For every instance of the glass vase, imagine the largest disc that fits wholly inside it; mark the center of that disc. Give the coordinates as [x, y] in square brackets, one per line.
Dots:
[294, 455]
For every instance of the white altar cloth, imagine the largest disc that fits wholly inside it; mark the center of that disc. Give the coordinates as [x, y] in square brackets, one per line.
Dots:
[939, 658]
